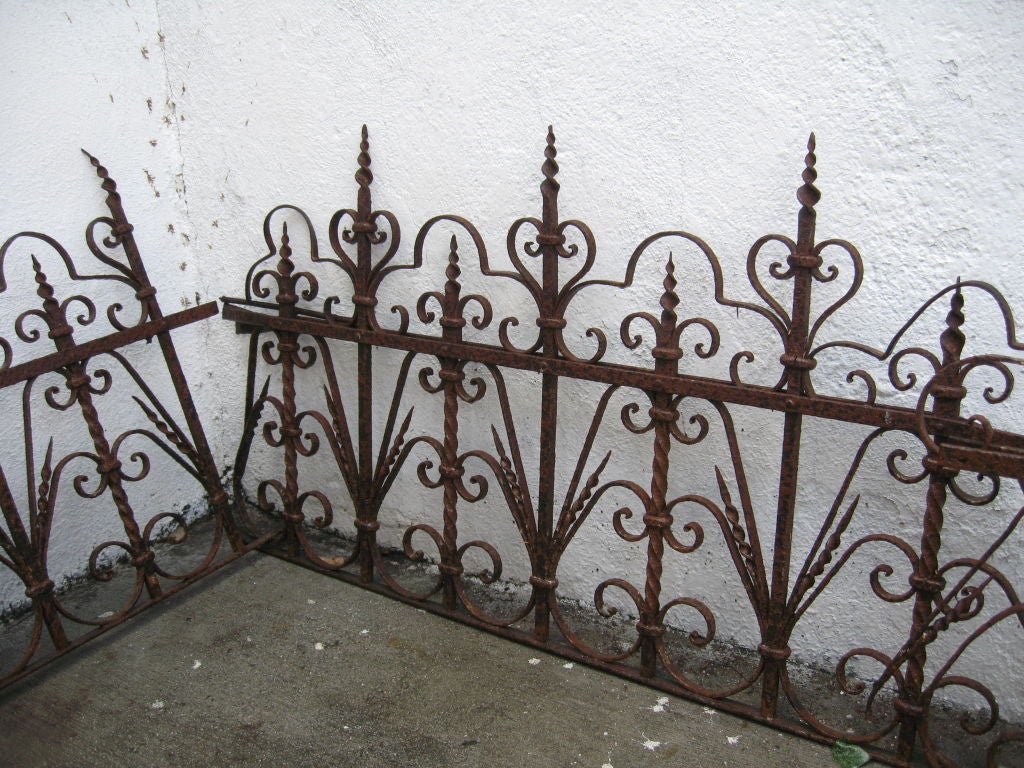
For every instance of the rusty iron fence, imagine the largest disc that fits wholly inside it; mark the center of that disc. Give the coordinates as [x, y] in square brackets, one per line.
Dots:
[100, 387]
[335, 403]
[678, 515]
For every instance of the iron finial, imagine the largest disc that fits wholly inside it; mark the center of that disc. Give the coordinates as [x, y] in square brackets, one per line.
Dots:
[549, 187]
[364, 176]
[51, 307]
[808, 194]
[952, 339]
[669, 299]
[550, 167]
[285, 266]
[452, 272]
[45, 290]
[108, 185]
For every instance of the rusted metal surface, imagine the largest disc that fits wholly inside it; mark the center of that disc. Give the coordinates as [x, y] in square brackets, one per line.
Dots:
[322, 415]
[83, 381]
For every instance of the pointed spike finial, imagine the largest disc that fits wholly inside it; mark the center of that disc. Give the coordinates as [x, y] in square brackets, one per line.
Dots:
[286, 249]
[952, 340]
[108, 184]
[364, 176]
[285, 266]
[808, 194]
[45, 289]
[100, 170]
[550, 166]
[669, 299]
[452, 272]
[549, 188]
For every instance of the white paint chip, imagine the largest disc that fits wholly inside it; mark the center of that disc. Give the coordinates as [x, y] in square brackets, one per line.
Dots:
[197, 664]
[105, 615]
[651, 744]
[568, 665]
[607, 765]
[158, 704]
[311, 602]
[365, 632]
[534, 662]
[733, 740]
[318, 646]
[710, 711]
[658, 708]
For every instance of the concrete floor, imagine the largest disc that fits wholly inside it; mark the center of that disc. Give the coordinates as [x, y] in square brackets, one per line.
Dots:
[266, 664]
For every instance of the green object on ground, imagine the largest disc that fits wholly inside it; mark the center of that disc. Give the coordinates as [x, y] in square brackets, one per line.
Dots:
[849, 755]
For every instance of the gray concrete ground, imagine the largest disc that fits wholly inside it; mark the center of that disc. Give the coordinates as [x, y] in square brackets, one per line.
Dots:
[266, 664]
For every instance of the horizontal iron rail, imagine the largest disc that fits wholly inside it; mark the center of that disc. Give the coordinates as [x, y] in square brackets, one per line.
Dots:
[1003, 454]
[84, 350]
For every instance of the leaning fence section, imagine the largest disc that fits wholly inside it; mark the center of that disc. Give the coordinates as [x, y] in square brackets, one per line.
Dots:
[914, 401]
[92, 416]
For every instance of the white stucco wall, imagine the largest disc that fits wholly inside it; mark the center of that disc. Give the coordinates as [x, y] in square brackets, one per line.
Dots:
[668, 116]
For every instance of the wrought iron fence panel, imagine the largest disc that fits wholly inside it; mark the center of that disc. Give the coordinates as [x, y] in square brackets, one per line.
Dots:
[72, 365]
[486, 446]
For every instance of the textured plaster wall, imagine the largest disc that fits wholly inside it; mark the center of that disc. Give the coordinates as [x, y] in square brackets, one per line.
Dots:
[668, 116]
